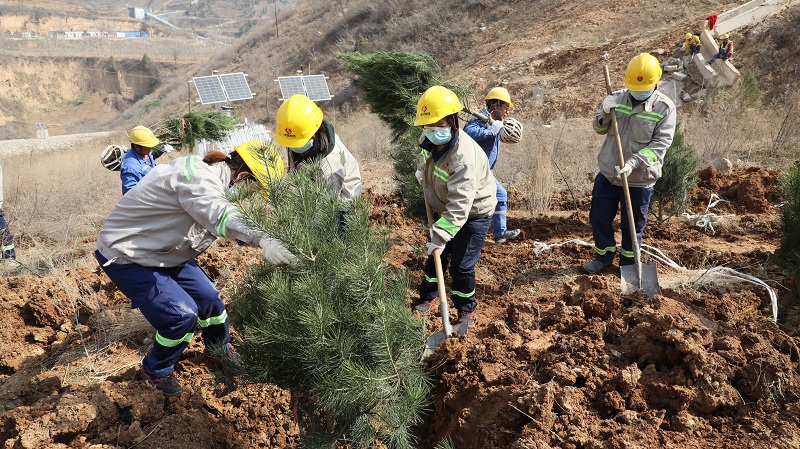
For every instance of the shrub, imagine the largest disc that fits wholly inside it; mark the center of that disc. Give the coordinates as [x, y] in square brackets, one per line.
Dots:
[789, 251]
[679, 173]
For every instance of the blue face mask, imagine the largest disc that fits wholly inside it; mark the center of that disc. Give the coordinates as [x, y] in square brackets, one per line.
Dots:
[641, 96]
[304, 148]
[438, 135]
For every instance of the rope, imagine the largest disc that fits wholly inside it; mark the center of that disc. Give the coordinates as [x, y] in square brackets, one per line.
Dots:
[721, 272]
[706, 219]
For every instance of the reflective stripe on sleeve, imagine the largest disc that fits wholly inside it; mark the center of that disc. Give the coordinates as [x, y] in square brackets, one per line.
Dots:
[447, 226]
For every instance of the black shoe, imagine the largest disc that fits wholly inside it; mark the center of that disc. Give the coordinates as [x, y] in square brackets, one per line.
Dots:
[168, 385]
[510, 234]
[423, 307]
[464, 316]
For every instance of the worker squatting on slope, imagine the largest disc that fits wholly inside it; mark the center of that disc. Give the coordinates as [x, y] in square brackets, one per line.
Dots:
[302, 129]
[646, 121]
[140, 159]
[487, 135]
[149, 242]
[692, 44]
[6, 239]
[460, 188]
[725, 49]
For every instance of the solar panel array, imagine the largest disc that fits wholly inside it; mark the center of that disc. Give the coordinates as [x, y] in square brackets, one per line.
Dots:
[222, 88]
[313, 86]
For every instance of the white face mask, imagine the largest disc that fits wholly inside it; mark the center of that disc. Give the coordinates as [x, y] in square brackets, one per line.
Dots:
[304, 148]
[644, 95]
[438, 135]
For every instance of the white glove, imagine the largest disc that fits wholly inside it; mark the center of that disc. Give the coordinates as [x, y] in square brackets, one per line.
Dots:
[609, 103]
[167, 148]
[496, 126]
[430, 247]
[626, 170]
[274, 251]
[418, 175]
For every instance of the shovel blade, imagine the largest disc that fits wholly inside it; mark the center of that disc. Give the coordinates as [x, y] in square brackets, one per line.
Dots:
[629, 276]
[438, 339]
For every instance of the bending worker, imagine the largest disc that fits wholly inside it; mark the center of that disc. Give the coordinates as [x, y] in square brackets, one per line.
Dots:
[692, 44]
[646, 121]
[310, 138]
[140, 159]
[149, 242]
[487, 135]
[460, 188]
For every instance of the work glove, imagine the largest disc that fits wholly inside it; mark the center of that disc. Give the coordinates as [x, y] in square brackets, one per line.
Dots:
[496, 126]
[167, 148]
[609, 103]
[626, 169]
[418, 175]
[430, 247]
[274, 252]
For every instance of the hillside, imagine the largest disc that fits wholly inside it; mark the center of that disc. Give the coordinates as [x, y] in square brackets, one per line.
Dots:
[557, 358]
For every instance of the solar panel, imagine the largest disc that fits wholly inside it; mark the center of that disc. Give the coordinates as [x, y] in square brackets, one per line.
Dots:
[209, 89]
[235, 86]
[317, 87]
[291, 85]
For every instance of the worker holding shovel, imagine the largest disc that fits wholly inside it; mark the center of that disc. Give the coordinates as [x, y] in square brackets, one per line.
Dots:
[646, 121]
[460, 189]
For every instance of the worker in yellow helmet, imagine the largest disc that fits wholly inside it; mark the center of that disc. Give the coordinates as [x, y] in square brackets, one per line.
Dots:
[725, 49]
[691, 44]
[302, 129]
[460, 188]
[140, 159]
[149, 242]
[646, 121]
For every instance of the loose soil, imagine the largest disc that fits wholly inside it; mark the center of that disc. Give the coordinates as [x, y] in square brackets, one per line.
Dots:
[557, 358]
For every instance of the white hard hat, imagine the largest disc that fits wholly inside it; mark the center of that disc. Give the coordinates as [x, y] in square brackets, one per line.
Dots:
[511, 132]
[111, 157]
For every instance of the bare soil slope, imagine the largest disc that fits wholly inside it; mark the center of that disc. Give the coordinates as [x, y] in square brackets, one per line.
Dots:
[556, 359]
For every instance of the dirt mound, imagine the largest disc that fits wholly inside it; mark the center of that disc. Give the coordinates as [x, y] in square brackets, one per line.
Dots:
[753, 190]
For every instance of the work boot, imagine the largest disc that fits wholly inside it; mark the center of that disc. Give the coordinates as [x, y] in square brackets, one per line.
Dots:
[510, 234]
[168, 385]
[595, 266]
[423, 306]
[464, 316]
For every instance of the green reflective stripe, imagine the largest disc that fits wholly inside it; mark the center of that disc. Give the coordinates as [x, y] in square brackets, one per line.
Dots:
[214, 320]
[425, 154]
[624, 108]
[447, 226]
[650, 155]
[8, 247]
[603, 251]
[626, 253]
[223, 224]
[652, 114]
[441, 173]
[464, 295]
[188, 168]
[164, 341]
[601, 128]
[647, 117]
[430, 279]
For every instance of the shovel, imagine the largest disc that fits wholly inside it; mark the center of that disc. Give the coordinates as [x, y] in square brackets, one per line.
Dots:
[437, 339]
[636, 277]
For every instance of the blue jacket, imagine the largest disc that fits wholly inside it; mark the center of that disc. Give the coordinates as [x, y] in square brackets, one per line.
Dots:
[480, 133]
[134, 167]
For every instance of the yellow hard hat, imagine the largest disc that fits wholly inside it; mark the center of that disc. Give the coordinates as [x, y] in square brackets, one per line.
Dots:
[643, 72]
[141, 135]
[499, 93]
[262, 159]
[688, 35]
[297, 120]
[725, 36]
[436, 103]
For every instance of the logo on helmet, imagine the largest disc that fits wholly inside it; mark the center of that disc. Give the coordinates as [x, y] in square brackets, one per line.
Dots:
[639, 78]
[288, 132]
[424, 111]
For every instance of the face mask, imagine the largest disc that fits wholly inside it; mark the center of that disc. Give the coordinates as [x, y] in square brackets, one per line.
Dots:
[438, 135]
[641, 96]
[304, 148]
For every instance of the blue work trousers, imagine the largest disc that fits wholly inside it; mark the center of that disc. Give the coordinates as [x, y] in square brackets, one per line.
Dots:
[499, 218]
[606, 199]
[6, 240]
[175, 301]
[461, 254]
